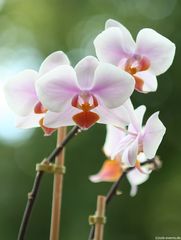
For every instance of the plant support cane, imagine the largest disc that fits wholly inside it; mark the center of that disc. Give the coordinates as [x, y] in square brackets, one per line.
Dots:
[99, 219]
[57, 189]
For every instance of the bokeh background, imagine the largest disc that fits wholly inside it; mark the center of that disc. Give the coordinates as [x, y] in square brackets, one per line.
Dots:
[29, 31]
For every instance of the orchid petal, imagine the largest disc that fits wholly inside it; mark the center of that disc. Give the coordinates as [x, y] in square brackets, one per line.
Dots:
[149, 81]
[134, 190]
[20, 92]
[123, 144]
[113, 136]
[57, 88]
[30, 121]
[136, 116]
[139, 113]
[110, 172]
[85, 70]
[157, 48]
[117, 116]
[141, 157]
[153, 133]
[54, 60]
[135, 178]
[112, 85]
[126, 33]
[112, 45]
[129, 156]
[62, 119]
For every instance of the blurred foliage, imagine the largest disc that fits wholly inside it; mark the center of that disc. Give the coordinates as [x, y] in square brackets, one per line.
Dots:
[48, 25]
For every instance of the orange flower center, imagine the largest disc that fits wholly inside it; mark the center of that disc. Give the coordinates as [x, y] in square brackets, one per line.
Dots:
[137, 64]
[85, 102]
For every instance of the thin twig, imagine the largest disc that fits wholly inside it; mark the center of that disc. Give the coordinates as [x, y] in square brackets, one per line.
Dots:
[32, 195]
[113, 190]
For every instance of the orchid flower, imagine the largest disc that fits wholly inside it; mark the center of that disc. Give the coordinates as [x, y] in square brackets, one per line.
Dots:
[112, 170]
[136, 138]
[83, 95]
[22, 97]
[151, 55]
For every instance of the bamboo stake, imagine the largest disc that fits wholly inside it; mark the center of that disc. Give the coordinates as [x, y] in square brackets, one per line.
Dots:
[57, 190]
[100, 214]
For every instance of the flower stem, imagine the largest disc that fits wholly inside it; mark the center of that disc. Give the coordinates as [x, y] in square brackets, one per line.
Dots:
[57, 190]
[36, 185]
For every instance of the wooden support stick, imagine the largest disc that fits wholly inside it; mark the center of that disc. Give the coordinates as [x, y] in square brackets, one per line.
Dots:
[57, 190]
[100, 215]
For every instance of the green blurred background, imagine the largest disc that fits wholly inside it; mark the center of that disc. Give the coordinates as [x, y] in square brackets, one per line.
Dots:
[29, 31]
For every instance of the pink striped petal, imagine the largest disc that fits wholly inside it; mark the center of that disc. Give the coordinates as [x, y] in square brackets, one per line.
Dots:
[20, 92]
[149, 81]
[129, 156]
[85, 70]
[56, 120]
[114, 44]
[126, 33]
[29, 121]
[112, 85]
[54, 60]
[113, 137]
[57, 88]
[157, 48]
[153, 133]
[117, 116]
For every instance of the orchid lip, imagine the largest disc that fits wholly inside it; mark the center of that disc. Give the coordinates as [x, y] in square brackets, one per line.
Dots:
[85, 102]
[136, 64]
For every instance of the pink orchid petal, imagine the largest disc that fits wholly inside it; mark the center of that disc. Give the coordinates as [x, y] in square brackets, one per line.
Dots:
[20, 92]
[57, 88]
[30, 121]
[136, 116]
[129, 156]
[123, 144]
[54, 60]
[114, 44]
[137, 119]
[117, 116]
[153, 133]
[85, 70]
[157, 48]
[113, 137]
[126, 33]
[112, 85]
[149, 81]
[56, 120]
